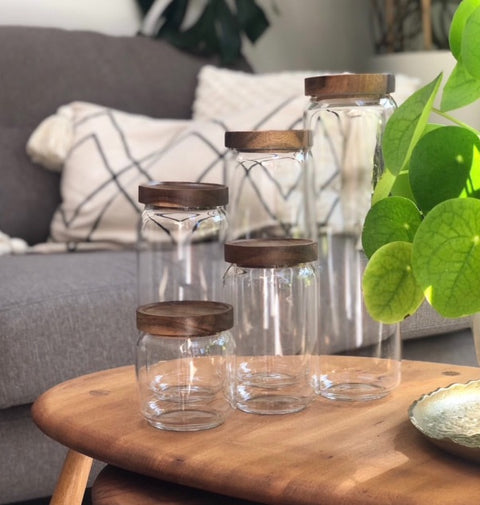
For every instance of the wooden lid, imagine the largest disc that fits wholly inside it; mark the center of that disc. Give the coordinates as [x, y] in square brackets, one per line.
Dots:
[269, 253]
[269, 140]
[185, 318]
[341, 85]
[183, 194]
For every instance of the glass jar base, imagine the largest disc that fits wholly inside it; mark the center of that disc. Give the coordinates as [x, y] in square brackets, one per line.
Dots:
[354, 391]
[186, 420]
[272, 404]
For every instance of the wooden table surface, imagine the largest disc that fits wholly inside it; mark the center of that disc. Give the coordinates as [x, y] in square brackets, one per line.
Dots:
[332, 453]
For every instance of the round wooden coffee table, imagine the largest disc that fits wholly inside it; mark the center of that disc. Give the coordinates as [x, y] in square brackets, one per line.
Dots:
[333, 452]
[115, 486]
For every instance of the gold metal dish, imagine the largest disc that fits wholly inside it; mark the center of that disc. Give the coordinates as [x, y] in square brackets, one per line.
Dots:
[450, 418]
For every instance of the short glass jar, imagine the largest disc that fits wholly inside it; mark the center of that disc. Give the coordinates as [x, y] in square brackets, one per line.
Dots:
[272, 284]
[269, 179]
[180, 241]
[181, 363]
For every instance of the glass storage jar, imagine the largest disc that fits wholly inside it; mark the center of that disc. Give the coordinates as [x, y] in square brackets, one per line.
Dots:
[272, 284]
[357, 358]
[347, 114]
[181, 359]
[180, 241]
[269, 179]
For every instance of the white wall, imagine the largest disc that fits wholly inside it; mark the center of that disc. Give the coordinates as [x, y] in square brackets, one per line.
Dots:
[314, 35]
[306, 35]
[115, 17]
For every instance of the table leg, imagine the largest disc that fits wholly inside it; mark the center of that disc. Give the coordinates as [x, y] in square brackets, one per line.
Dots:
[72, 482]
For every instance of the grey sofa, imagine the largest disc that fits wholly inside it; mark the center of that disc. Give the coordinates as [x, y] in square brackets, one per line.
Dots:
[64, 315]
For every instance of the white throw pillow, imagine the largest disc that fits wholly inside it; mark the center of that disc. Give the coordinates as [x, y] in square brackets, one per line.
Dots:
[113, 152]
[222, 91]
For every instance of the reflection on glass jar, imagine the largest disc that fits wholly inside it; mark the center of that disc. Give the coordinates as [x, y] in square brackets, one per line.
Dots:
[180, 242]
[181, 363]
[269, 179]
[272, 284]
[357, 358]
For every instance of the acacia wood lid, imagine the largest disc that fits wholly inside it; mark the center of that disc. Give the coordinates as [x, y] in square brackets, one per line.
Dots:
[342, 85]
[270, 253]
[268, 140]
[183, 194]
[185, 318]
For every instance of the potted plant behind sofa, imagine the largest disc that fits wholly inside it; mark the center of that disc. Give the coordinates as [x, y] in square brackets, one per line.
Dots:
[216, 30]
[422, 233]
[411, 25]
[411, 37]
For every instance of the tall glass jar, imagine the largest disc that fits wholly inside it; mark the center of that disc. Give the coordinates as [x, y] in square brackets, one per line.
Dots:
[358, 358]
[272, 284]
[182, 353]
[180, 241]
[347, 114]
[269, 179]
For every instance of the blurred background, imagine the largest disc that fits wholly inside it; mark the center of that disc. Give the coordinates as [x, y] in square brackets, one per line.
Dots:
[303, 34]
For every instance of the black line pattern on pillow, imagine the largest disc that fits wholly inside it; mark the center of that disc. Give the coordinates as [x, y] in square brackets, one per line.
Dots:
[104, 168]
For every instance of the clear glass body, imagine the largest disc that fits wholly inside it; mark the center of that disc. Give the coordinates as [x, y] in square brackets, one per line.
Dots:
[347, 157]
[270, 195]
[357, 358]
[182, 380]
[275, 332]
[180, 254]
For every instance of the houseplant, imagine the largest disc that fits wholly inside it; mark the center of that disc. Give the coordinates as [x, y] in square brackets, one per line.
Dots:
[217, 29]
[422, 233]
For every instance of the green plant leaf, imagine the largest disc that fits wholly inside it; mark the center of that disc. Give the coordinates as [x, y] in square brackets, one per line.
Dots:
[217, 30]
[402, 131]
[460, 89]
[446, 257]
[471, 44]
[401, 186]
[402, 181]
[463, 12]
[444, 165]
[390, 220]
[251, 19]
[390, 290]
[173, 16]
[228, 33]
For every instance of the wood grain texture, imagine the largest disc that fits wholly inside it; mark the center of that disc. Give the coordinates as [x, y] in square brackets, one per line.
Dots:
[268, 140]
[73, 479]
[332, 453]
[115, 486]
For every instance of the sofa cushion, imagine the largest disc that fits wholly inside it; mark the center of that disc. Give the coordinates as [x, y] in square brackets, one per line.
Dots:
[63, 315]
[43, 68]
[29, 194]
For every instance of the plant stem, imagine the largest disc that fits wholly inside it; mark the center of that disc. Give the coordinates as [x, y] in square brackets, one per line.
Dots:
[455, 120]
[426, 8]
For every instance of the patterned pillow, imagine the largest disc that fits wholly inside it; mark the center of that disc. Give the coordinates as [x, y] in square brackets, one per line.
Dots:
[113, 152]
